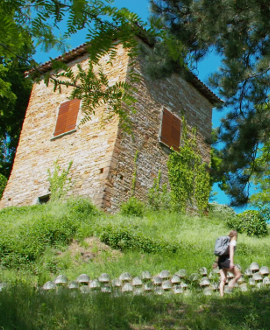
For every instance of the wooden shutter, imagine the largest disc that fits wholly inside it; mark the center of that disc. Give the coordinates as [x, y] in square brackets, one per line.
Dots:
[170, 130]
[176, 131]
[166, 127]
[67, 117]
[72, 114]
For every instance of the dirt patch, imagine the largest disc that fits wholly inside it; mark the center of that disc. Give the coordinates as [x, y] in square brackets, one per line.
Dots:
[91, 249]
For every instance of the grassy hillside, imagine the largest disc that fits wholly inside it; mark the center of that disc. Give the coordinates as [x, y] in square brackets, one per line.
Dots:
[40, 242]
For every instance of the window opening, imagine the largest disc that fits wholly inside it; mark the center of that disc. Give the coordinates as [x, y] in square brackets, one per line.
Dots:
[44, 199]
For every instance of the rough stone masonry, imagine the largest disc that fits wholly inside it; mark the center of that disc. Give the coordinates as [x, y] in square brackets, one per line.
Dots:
[102, 153]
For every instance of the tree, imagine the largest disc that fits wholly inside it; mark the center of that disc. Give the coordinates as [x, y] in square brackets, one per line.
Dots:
[26, 24]
[106, 27]
[238, 31]
[3, 182]
[14, 87]
[13, 103]
[261, 181]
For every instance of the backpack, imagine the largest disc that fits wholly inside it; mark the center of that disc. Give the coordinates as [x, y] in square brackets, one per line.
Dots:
[222, 245]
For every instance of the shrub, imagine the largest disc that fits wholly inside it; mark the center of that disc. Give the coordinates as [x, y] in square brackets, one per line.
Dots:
[82, 207]
[225, 210]
[123, 238]
[3, 183]
[133, 207]
[28, 242]
[250, 222]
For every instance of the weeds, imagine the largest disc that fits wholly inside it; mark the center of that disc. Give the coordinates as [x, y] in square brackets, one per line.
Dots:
[133, 207]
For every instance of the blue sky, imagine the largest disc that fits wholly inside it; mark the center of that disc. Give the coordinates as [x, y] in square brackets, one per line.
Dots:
[205, 68]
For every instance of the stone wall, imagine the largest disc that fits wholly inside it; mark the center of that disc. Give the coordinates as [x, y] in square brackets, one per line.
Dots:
[103, 156]
[90, 147]
[182, 99]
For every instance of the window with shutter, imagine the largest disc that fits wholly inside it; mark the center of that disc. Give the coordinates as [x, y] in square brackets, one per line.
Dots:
[67, 117]
[170, 130]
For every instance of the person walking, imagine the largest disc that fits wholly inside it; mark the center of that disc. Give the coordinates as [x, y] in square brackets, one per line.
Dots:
[226, 263]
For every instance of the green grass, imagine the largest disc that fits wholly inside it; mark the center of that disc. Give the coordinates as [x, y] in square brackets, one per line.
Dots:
[34, 241]
[21, 307]
[38, 243]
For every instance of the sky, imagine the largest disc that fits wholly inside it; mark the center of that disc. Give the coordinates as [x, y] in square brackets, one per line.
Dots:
[205, 68]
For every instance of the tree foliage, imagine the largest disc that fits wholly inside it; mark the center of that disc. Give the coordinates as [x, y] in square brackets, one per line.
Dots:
[14, 87]
[106, 27]
[238, 31]
[3, 182]
[27, 24]
[15, 92]
[261, 180]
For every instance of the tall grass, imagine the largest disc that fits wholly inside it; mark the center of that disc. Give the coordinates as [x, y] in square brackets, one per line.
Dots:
[34, 242]
[21, 307]
[35, 247]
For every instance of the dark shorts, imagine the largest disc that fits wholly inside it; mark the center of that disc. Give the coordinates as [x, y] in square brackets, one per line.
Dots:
[224, 262]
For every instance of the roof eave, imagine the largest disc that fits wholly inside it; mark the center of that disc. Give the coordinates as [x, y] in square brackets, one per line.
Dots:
[82, 49]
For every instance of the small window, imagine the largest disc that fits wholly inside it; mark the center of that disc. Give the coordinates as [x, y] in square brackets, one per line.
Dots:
[170, 130]
[67, 117]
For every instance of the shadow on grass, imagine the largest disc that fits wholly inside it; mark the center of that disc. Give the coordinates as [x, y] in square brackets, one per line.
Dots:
[21, 307]
[237, 311]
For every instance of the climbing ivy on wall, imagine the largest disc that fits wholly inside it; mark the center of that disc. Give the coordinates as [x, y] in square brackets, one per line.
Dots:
[134, 177]
[188, 177]
[158, 197]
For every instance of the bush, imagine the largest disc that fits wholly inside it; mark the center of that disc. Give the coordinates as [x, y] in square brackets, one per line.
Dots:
[82, 207]
[223, 211]
[133, 207]
[29, 242]
[123, 238]
[3, 183]
[250, 222]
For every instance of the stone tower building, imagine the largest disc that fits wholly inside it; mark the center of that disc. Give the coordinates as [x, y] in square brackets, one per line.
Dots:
[102, 153]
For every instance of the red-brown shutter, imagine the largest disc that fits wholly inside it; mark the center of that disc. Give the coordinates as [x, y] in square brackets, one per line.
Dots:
[67, 117]
[170, 130]
[166, 127]
[61, 119]
[72, 114]
[176, 131]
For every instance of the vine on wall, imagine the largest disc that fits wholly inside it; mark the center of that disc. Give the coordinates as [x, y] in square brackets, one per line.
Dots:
[188, 177]
[158, 197]
[133, 186]
[60, 182]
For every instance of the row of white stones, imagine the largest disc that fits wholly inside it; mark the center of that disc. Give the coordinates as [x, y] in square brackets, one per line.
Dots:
[180, 282]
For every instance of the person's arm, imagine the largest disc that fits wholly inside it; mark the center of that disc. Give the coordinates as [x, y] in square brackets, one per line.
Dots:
[215, 264]
[231, 251]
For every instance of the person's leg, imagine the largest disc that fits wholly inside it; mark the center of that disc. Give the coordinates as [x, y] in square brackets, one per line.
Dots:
[237, 274]
[223, 278]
